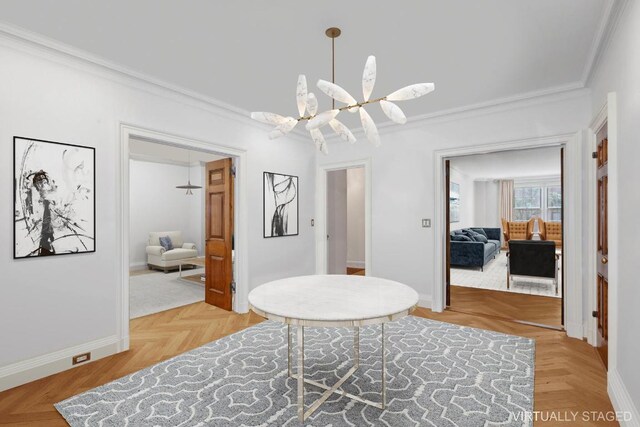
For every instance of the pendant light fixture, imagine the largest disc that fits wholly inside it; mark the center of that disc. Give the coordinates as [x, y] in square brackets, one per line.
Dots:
[189, 186]
[308, 105]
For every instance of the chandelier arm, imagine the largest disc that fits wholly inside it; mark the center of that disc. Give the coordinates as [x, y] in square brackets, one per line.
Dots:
[347, 107]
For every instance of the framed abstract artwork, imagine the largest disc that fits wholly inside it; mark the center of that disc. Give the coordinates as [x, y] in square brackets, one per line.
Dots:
[280, 205]
[53, 198]
[454, 202]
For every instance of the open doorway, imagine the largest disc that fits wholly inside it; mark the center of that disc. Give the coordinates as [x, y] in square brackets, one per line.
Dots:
[504, 237]
[346, 221]
[177, 220]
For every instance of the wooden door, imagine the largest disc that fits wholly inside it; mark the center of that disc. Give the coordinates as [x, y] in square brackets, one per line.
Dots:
[602, 312]
[219, 234]
[447, 183]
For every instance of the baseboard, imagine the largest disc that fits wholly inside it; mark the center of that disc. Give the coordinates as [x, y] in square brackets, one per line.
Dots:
[424, 301]
[135, 266]
[35, 368]
[355, 264]
[622, 403]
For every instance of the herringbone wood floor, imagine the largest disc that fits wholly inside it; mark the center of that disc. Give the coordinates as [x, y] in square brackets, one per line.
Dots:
[568, 377]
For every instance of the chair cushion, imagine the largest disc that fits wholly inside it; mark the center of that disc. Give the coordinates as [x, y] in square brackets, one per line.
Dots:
[179, 253]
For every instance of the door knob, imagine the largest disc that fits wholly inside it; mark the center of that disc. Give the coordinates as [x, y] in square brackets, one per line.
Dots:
[604, 260]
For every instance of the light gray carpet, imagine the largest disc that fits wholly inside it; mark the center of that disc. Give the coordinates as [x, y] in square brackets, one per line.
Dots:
[154, 292]
[438, 374]
[494, 277]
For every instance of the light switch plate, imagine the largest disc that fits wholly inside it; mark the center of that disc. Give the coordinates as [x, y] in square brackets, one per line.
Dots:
[426, 222]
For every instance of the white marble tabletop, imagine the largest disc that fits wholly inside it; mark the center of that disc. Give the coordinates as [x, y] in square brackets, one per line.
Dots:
[333, 298]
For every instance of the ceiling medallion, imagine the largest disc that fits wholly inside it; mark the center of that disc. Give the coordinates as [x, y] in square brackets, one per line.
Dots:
[308, 105]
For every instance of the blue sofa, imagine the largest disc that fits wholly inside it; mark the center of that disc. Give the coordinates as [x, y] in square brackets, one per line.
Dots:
[474, 253]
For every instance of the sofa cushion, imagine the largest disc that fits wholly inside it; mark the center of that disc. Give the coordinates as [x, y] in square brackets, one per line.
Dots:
[166, 243]
[496, 243]
[480, 238]
[460, 238]
[479, 231]
[476, 237]
[179, 253]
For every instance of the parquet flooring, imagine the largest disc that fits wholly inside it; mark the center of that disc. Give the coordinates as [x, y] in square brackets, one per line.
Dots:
[569, 376]
[508, 305]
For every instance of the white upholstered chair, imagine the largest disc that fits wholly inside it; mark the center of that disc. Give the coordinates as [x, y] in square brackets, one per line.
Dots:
[159, 257]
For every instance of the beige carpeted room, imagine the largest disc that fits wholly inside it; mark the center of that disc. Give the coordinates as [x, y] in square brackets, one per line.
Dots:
[356, 213]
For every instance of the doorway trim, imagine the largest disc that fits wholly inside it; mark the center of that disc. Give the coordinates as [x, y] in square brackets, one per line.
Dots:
[572, 227]
[321, 212]
[128, 131]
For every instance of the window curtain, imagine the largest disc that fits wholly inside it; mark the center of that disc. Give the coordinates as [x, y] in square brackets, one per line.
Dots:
[506, 199]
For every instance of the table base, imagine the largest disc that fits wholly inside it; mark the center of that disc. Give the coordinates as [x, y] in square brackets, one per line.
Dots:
[304, 414]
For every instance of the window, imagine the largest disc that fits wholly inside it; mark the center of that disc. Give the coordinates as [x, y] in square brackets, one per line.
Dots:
[554, 203]
[540, 200]
[527, 202]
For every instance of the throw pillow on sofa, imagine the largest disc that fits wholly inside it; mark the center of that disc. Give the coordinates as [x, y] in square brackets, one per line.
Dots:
[166, 243]
[460, 238]
[476, 237]
[480, 238]
[479, 231]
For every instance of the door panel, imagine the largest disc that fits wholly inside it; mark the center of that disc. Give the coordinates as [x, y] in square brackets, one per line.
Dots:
[219, 234]
[602, 311]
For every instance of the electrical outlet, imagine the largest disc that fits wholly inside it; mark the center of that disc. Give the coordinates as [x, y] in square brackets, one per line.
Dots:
[426, 223]
[312, 222]
[81, 358]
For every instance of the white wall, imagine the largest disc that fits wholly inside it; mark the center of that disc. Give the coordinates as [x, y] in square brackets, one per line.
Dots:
[355, 218]
[487, 203]
[618, 71]
[337, 210]
[157, 205]
[56, 303]
[403, 176]
[467, 197]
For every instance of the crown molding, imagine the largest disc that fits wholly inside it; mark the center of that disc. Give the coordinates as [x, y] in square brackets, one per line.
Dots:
[545, 96]
[613, 10]
[47, 48]
[51, 49]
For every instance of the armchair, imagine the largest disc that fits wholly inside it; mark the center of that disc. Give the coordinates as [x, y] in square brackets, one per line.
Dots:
[533, 258]
[551, 231]
[160, 258]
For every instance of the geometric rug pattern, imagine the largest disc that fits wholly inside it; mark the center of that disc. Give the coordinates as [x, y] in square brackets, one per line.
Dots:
[437, 374]
[494, 277]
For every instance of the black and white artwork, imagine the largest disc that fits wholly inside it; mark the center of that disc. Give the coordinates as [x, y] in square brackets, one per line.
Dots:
[53, 198]
[454, 202]
[280, 205]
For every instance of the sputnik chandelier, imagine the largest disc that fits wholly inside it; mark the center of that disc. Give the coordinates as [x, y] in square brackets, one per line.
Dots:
[308, 105]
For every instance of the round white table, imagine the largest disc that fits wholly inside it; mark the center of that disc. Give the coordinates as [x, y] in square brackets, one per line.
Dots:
[332, 301]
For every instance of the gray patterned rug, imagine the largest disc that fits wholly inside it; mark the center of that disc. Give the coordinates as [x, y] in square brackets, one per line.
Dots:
[438, 374]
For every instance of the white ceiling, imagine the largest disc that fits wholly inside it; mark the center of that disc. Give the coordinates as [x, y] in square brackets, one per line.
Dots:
[162, 153]
[538, 162]
[249, 53]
